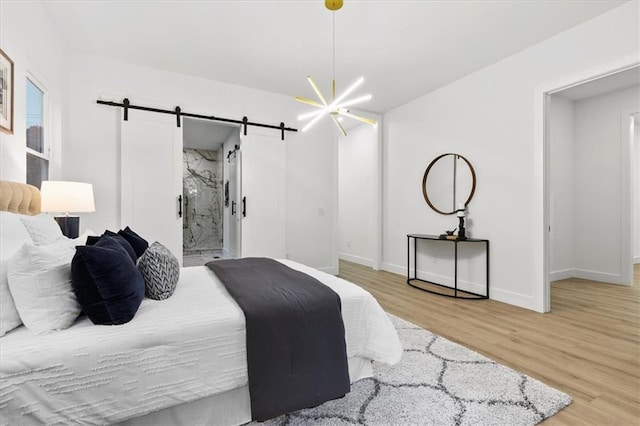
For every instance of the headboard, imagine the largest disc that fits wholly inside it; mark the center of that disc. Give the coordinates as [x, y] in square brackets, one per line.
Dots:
[19, 198]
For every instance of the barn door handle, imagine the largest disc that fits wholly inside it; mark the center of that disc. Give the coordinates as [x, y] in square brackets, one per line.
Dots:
[180, 205]
[244, 206]
[233, 207]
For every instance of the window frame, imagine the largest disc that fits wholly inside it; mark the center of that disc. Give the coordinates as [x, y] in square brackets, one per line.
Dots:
[46, 125]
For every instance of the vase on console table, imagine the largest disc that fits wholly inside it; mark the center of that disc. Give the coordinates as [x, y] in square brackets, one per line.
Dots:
[461, 229]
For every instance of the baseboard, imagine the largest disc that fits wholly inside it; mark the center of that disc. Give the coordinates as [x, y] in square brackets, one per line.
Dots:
[517, 299]
[512, 298]
[604, 277]
[396, 269]
[436, 278]
[562, 274]
[478, 288]
[356, 259]
[586, 274]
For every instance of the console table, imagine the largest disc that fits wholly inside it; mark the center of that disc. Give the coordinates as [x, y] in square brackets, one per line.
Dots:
[452, 291]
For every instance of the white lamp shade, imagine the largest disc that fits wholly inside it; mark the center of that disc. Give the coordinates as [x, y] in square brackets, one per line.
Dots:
[68, 197]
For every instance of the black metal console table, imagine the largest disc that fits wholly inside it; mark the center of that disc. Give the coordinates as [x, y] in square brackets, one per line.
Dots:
[457, 293]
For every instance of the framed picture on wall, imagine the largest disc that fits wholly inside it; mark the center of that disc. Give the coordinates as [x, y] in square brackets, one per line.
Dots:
[6, 93]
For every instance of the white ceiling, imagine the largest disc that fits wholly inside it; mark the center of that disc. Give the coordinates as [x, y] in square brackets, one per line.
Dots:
[203, 134]
[404, 49]
[610, 83]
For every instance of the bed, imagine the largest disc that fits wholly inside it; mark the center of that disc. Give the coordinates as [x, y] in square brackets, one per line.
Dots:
[178, 361]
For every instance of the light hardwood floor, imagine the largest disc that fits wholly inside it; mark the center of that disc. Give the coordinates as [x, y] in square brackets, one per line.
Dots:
[587, 346]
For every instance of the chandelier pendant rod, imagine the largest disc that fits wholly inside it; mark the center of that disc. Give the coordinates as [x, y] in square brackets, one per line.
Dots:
[333, 82]
[337, 106]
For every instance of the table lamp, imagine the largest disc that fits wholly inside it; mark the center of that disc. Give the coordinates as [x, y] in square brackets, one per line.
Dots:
[67, 197]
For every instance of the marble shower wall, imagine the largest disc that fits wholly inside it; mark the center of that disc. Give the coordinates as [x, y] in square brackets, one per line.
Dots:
[202, 194]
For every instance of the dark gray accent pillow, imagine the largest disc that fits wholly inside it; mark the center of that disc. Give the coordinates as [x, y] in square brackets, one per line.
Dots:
[160, 270]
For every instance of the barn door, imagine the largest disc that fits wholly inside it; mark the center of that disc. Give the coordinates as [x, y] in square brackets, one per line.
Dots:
[262, 205]
[151, 178]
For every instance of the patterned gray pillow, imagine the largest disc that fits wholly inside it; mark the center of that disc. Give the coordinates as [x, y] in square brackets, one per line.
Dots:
[160, 270]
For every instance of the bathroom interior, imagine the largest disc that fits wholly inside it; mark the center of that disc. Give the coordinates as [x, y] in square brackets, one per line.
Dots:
[203, 190]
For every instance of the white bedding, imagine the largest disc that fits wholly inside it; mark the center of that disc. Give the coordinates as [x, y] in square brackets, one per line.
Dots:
[187, 347]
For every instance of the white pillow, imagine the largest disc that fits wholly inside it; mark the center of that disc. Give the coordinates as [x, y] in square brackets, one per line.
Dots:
[13, 235]
[42, 228]
[40, 282]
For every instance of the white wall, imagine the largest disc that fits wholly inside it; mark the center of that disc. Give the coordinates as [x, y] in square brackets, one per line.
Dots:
[562, 188]
[92, 152]
[356, 192]
[311, 211]
[490, 117]
[29, 38]
[599, 136]
[636, 189]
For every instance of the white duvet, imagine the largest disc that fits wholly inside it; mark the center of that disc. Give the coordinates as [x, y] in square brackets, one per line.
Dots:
[174, 351]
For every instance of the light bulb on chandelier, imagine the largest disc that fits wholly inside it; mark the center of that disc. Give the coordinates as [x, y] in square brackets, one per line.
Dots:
[337, 109]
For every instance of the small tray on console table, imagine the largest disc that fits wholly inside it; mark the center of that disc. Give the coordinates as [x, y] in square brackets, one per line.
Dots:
[442, 289]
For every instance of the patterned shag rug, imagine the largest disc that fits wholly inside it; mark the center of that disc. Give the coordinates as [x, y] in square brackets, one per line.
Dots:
[437, 382]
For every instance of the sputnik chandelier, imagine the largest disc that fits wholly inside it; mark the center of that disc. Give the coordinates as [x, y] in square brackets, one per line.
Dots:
[338, 106]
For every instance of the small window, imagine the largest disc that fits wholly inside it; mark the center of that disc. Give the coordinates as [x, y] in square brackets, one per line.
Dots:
[37, 153]
[37, 170]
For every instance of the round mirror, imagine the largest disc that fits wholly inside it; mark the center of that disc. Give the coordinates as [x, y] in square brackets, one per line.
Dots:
[448, 182]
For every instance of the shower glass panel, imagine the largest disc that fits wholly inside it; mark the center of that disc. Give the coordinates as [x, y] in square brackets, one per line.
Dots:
[202, 193]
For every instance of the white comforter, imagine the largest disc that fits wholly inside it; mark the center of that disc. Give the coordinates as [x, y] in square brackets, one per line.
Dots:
[187, 347]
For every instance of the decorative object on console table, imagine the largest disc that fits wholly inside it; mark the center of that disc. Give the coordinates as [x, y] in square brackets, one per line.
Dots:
[67, 197]
[448, 235]
[461, 229]
[6, 93]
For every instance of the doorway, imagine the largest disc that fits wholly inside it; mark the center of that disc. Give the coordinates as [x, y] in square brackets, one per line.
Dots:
[590, 168]
[173, 180]
[234, 192]
[203, 190]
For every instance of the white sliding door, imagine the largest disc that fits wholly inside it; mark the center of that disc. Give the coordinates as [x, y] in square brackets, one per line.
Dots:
[262, 206]
[151, 178]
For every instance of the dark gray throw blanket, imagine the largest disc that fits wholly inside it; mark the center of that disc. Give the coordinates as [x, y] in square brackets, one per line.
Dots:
[296, 352]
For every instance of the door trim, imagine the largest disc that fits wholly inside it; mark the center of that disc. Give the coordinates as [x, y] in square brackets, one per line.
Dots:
[542, 292]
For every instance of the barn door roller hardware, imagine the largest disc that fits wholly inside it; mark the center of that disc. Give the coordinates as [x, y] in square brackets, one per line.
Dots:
[126, 104]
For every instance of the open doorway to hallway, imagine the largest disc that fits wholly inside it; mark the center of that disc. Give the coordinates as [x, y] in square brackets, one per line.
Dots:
[593, 168]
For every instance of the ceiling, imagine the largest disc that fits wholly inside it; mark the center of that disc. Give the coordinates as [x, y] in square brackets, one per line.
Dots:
[618, 81]
[204, 134]
[403, 48]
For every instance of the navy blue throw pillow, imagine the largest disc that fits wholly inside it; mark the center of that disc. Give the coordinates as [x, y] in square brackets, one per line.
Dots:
[106, 282]
[91, 240]
[138, 243]
[118, 238]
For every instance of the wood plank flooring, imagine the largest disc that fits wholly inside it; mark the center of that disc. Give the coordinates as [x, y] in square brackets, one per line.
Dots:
[587, 346]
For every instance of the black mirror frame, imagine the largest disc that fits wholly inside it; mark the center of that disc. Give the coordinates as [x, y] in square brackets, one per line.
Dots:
[426, 173]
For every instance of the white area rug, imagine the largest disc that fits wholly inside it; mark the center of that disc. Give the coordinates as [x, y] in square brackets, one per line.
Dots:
[437, 382]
